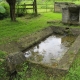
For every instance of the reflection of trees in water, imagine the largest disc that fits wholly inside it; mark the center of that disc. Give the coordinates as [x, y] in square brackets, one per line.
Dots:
[38, 46]
[51, 54]
[35, 56]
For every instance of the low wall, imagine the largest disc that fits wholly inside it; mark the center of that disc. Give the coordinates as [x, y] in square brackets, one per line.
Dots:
[66, 30]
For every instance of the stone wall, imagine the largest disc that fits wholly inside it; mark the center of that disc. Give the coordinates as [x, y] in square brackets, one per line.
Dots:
[59, 5]
[65, 15]
[66, 30]
[71, 15]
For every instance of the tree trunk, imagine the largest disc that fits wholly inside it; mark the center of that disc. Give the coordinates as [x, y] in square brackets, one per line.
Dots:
[35, 7]
[12, 9]
[12, 12]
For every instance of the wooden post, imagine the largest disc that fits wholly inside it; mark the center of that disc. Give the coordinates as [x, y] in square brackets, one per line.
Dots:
[54, 6]
[35, 7]
[18, 8]
[24, 8]
[46, 6]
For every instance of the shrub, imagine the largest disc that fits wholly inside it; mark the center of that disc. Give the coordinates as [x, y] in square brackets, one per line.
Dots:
[2, 12]
[2, 9]
[21, 10]
[6, 6]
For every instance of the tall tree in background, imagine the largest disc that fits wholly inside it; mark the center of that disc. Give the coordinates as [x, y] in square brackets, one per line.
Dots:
[12, 9]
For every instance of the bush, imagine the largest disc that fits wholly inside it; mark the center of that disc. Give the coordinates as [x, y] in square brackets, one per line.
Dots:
[2, 9]
[6, 6]
[2, 12]
[21, 10]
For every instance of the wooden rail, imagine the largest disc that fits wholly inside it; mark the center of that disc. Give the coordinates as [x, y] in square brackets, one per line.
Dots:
[24, 6]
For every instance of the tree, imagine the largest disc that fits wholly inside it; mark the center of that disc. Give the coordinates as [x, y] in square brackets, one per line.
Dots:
[12, 9]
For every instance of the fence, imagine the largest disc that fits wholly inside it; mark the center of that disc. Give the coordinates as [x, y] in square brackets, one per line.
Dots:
[48, 5]
[26, 7]
[45, 5]
[45, 8]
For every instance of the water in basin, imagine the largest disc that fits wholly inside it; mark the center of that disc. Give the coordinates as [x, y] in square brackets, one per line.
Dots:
[51, 50]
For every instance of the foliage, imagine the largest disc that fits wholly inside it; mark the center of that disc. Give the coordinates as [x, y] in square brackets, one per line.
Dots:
[74, 72]
[21, 10]
[37, 74]
[2, 66]
[2, 55]
[18, 1]
[77, 2]
[30, 74]
[6, 6]
[21, 75]
[2, 12]
[2, 9]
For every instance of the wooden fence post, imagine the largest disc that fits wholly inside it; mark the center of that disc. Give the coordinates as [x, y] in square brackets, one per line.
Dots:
[46, 6]
[35, 7]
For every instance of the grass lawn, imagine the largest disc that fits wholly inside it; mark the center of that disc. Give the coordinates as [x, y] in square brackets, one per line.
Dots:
[11, 31]
[77, 2]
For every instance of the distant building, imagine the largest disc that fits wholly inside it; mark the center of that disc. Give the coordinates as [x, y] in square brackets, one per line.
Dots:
[71, 15]
[59, 5]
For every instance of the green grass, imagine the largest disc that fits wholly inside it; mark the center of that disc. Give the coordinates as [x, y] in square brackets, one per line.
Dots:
[36, 74]
[74, 72]
[2, 66]
[77, 2]
[10, 31]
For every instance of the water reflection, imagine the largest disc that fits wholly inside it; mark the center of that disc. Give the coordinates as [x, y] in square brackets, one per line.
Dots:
[51, 50]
